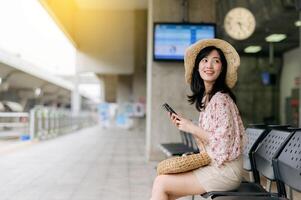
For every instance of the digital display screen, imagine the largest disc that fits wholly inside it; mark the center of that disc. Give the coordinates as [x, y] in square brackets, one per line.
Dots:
[265, 77]
[171, 40]
[268, 78]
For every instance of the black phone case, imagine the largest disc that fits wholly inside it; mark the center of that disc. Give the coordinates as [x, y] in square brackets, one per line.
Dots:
[168, 108]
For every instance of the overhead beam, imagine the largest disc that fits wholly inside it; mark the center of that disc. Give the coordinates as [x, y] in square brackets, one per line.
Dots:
[27, 67]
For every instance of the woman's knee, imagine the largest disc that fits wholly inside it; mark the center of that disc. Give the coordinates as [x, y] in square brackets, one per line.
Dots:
[160, 183]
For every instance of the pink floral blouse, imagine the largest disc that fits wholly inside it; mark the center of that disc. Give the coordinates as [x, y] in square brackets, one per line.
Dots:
[222, 121]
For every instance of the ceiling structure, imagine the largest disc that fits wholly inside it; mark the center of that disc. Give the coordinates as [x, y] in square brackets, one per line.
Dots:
[112, 4]
[272, 16]
[15, 79]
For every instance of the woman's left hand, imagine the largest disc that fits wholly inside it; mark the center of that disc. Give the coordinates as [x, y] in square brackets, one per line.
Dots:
[185, 124]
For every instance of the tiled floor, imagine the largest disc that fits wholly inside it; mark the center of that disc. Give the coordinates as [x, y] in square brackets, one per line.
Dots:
[91, 164]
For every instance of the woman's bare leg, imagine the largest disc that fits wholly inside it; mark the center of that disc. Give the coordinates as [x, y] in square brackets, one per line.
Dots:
[169, 187]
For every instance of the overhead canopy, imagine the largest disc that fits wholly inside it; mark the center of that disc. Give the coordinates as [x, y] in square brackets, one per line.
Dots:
[13, 106]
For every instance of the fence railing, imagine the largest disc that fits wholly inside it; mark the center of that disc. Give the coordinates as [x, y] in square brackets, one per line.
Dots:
[43, 122]
[14, 124]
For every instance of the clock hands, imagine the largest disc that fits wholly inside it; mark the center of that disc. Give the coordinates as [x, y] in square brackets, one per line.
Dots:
[239, 23]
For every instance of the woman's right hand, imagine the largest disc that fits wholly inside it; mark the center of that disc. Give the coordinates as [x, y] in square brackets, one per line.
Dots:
[187, 126]
[174, 119]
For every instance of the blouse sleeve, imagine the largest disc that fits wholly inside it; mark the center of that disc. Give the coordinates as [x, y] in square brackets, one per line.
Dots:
[222, 137]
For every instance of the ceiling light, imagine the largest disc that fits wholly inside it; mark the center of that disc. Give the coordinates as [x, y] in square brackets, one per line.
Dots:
[275, 37]
[298, 23]
[252, 49]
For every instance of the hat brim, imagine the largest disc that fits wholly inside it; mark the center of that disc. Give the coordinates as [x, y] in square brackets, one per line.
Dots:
[231, 55]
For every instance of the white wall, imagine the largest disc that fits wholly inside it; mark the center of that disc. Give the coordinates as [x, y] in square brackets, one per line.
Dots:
[291, 69]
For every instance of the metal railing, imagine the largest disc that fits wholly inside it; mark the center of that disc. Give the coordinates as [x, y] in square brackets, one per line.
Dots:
[49, 122]
[14, 124]
[44, 122]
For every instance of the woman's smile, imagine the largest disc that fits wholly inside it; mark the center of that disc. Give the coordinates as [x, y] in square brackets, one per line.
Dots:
[209, 72]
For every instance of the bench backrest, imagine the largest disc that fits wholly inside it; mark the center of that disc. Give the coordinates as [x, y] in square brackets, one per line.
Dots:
[184, 137]
[267, 149]
[288, 164]
[254, 137]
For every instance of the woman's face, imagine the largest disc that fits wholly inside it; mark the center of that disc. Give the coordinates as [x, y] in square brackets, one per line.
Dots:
[210, 67]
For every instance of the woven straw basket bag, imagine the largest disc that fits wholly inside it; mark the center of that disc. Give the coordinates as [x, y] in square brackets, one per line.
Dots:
[183, 163]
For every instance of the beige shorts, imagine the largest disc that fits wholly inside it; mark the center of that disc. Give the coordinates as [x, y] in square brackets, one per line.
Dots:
[226, 177]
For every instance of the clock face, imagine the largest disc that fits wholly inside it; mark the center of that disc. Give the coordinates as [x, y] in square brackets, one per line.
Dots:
[239, 23]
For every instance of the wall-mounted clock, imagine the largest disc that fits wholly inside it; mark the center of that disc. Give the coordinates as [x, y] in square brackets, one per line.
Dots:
[239, 23]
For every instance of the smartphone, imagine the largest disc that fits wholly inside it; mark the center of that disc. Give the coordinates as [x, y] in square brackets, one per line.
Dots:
[168, 108]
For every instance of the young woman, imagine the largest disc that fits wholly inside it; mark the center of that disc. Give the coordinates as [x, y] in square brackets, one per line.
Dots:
[211, 69]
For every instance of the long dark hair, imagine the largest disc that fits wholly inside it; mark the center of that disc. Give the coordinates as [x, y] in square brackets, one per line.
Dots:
[197, 85]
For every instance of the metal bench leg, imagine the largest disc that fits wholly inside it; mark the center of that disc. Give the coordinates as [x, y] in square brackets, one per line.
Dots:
[251, 177]
[269, 185]
[289, 192]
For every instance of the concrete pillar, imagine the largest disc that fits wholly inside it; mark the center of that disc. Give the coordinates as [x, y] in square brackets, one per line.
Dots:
[300, 74]
[165, 80]
[139, 76]
[102, 89]
[75, 97]
[124, 89]
[110, 83]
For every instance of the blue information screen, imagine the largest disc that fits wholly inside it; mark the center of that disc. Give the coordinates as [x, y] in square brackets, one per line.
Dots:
[171, 40]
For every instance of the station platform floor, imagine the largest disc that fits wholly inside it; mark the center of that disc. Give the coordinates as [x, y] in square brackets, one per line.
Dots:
[89, 164]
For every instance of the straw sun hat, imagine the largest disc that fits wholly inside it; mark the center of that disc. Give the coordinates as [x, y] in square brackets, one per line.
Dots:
[230, 53]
